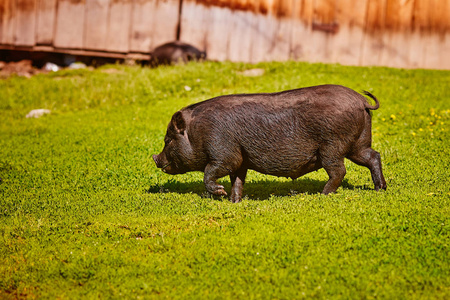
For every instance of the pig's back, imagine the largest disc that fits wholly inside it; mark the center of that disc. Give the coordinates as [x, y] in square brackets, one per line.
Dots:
[321, 97]
[314, 111]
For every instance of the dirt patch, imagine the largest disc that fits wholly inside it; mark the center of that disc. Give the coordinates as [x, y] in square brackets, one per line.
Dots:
[21, 68]
[252, 72]
[112, 71]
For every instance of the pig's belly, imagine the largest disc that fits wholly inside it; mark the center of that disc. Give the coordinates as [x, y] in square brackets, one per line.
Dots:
[291, 167]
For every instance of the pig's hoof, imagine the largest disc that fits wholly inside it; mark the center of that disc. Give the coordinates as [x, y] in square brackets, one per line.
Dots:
[235, 199]
[380, 188]
[218, 191]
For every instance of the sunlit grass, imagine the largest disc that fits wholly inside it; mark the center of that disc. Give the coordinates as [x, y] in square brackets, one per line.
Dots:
[85, 213]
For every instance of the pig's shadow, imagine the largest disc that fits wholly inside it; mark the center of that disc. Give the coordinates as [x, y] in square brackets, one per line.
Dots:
[256, 190]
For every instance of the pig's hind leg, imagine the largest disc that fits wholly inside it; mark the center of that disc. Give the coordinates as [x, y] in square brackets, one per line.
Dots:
[237, 185]
[212, 173]
[372, 160]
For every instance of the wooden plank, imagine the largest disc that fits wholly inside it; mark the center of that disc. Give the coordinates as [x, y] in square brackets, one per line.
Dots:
[350, 17]
[420, 25]
[9, 22]
[194, 26]
[304, 10]
[373, 43]
[445, 50]
[2, 12]
[261, 39]
[323, 31]
[398, 20]
[45, 22]
[242, 30]
[442, 17]
[301, 48]
[165, 21]
[154, 22]
[438, 15]
[445, 36]
[219, 31]
[281, 39]
[141, 27]
[282, 28]
[432, 51]
[69, 30]
[272, 38]
[76, 52]
[416, 49]
[119, 23]
[398, 15]
[420, 15]
[96, 24]
[25, 23]
[324, 11]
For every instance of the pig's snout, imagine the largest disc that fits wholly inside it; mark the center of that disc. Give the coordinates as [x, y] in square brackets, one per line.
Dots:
[156, 159]
[161, 163]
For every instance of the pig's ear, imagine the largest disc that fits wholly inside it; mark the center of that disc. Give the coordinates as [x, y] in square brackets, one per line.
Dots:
[178, 122]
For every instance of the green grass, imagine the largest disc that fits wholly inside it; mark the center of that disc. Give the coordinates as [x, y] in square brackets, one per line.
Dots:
[85, 213]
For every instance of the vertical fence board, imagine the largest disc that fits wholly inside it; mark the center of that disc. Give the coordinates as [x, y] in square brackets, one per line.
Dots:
[271, 40]
[432, 57]
[438, 16]
[24, 33]
[373, 43]
[96, 24]
[350, 16]
[445, 58]
[45, 22]
[416, 49]
[153, 22]
[445, 35]
[194, 27]
[69, 29]
[282, 30]
[301, 46]
[165, 21]
[240, 37]
[420, 26]
[324, 11]
[219, 31]
[281, 40]
[282, 33]
[396, 34]
[141, 26]
[2, 13]
[261, 39]
[323, 21]
[9, 21]
[119, 23]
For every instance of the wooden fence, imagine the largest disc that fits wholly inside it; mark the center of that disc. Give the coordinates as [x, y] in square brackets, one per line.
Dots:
[398, 33]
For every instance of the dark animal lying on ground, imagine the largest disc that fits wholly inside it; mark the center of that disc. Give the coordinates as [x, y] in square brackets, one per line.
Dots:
[175, 52]
[286, 134]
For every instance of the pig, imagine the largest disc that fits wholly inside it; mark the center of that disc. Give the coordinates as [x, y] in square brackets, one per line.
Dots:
[285, 134]
[175, 52]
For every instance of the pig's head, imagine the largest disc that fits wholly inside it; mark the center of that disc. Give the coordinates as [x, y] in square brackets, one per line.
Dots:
[177, 153]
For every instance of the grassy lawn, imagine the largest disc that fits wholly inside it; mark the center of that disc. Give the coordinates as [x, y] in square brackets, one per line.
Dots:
[85, 213]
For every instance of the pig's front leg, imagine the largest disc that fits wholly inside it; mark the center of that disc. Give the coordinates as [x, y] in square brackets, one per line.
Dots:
[212, 173]
[237, 185]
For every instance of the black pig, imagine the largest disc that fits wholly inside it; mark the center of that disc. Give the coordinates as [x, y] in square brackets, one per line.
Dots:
[286, 134]
[175, 52]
